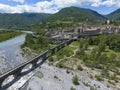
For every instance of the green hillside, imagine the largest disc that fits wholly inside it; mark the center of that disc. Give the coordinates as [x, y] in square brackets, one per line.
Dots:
[114, 15]
[20, 20]
[66, 17]
[72, 16]
[77, 14]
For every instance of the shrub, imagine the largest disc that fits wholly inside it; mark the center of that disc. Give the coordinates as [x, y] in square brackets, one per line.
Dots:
[79, 67]
[55, 77]
[50, 59]
[59, 65]
[75, 80]
[67, 71]
[72, 88]
[99, 78]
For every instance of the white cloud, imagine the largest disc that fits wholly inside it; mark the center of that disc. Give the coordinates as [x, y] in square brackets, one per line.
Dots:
[54, 5]
[5, 8]
[111, 3]
[20, 1]
[44, 6]
[64, 3]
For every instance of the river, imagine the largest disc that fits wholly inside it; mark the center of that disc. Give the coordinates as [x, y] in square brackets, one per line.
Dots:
[10, 55]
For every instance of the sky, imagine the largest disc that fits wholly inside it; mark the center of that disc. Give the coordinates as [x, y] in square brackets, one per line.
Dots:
[52, 6]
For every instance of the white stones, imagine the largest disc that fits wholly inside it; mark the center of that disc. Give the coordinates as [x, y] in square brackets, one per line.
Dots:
[58, 79]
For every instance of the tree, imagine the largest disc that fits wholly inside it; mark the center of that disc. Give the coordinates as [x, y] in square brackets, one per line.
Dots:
[102, 46]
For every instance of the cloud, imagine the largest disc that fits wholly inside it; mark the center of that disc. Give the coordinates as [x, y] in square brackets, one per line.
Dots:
[64, 3]
[20, 1]
[111, 3]
[5, 8]
[54, 6]
[39, 7]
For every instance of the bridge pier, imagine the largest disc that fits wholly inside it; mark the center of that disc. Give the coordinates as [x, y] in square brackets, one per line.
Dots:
[1, 82]
[17, 73]
[44, 56]
[58, 48]
[68, 42]
[62, 45]
[53, 51]
[34, 64]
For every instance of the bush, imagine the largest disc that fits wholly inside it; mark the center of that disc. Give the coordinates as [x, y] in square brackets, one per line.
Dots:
[55, 77]
[67, 71]
[79, 67]
[51, 59]
[72, 88]
[59, 65]
[92, 88]
[99, 78]
[75, 80]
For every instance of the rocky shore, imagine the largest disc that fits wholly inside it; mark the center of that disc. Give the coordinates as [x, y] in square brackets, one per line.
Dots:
[58, 79]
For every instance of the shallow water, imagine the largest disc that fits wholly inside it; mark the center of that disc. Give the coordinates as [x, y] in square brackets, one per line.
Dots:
[10, 49]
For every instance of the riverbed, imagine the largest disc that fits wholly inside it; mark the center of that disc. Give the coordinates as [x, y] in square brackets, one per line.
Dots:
[10, 55]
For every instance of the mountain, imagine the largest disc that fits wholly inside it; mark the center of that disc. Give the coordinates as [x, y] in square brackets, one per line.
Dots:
[66, 17]
[114, 15]
[19, 20]
[77, 14]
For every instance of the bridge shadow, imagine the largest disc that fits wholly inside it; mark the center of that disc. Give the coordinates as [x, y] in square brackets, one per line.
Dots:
[6, 86]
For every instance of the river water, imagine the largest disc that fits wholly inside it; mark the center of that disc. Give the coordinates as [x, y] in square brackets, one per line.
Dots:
[10, 55]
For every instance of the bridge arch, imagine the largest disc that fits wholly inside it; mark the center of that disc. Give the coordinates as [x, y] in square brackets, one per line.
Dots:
[8, 81]
[26, 68]
[39, 60]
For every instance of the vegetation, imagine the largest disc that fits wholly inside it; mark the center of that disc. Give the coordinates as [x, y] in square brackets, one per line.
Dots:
[79, 67]
[72, 88]
[64, 18]
[75, 80]
[114, 15]
[21, 20]
[99, 78]
[38, 74]
[101, 52]
[76, 15]
[60, 65]
[38, 43]
[5, 35]
[66, 51]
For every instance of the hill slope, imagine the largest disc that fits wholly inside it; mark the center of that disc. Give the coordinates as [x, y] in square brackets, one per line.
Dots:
[114, 15]
[24, 19]
[77, 14]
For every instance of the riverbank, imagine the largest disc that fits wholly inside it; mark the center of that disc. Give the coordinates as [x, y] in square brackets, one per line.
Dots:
[10, 53]
[58, 79]
[6, 35]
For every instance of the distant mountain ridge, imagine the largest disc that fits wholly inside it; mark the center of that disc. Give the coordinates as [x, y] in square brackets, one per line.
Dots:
[72, 13]
[77, 14]
[23, 19]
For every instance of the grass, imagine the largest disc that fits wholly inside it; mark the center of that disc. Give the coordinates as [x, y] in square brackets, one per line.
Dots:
[75, 43]
[38, 74]
[66, 51]
[107, 51]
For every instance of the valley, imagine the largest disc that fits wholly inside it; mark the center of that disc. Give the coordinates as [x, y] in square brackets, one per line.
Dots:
[89, 61]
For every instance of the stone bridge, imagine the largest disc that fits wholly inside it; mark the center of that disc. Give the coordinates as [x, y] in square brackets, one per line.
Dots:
[17, 71]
